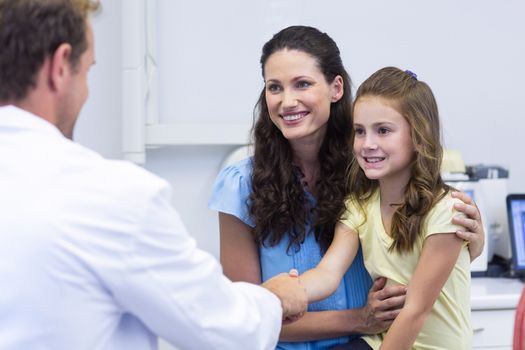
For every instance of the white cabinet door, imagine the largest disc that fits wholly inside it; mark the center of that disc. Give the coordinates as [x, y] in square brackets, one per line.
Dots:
[493, 329]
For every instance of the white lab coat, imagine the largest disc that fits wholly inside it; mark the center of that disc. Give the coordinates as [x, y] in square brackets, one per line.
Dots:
[92, 256]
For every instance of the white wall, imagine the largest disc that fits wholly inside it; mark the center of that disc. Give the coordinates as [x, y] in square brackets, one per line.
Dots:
[99, 124]
[482, 117]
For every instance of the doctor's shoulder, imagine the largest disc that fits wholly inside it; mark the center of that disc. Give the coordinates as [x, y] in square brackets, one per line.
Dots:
[129, 179]
[120, 182]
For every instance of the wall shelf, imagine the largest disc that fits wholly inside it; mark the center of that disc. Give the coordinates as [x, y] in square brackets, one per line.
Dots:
[196, 134]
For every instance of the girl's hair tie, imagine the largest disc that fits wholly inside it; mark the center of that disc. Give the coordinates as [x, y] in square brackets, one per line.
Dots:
[411, 74]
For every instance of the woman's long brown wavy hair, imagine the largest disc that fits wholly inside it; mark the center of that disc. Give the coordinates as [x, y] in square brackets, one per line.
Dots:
[415, 101]
[278, 201]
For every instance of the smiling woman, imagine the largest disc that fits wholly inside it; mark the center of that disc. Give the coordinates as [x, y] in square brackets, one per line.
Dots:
[298, 96]
[306, 83]
[278, 209]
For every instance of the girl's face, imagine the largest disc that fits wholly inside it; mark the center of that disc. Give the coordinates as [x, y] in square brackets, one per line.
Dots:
[298, 96]
[383, 143]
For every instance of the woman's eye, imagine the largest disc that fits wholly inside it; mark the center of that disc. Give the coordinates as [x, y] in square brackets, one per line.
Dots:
[359, 131]
[383, 131]
[273, 88]
[303, 84]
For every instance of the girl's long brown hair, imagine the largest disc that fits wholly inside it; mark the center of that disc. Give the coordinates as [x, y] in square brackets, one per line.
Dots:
[415, 101]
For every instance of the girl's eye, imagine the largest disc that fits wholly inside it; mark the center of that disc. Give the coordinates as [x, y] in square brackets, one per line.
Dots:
[383, 131]
[273, 88]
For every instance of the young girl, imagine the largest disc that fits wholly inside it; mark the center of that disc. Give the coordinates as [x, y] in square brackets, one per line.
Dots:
[400, 210]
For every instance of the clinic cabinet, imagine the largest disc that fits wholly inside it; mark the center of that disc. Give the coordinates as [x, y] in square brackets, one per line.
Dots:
[493, 302]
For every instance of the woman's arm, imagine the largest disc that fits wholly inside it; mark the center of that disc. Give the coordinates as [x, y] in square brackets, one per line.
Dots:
[384, 304]
[239, 257]
[321, 281]
[239, 254]
[474, 232]
[439, 255]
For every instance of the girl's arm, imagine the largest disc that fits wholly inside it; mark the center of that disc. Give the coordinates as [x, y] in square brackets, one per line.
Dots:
[239, 256]
[439, 255]
[474, 232]
[323, 280]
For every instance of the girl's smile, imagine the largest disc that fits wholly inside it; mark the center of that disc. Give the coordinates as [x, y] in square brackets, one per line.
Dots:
[382, 144]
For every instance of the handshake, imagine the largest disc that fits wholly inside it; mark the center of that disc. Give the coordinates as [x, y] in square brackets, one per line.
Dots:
[287, 287]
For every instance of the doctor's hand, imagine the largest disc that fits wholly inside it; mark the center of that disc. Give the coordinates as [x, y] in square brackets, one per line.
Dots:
[292, 294]
[473, 232]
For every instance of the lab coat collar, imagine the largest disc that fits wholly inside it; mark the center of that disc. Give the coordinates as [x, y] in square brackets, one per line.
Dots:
[14, 117]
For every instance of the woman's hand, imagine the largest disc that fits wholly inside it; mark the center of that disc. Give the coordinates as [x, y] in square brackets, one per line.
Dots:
[384, 304]
[474, 232]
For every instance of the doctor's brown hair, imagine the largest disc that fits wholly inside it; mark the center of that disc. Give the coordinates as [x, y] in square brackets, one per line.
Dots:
[278, 201]
[415, 101]
[31, 31]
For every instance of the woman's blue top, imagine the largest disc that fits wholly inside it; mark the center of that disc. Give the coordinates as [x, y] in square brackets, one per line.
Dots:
[231, 196]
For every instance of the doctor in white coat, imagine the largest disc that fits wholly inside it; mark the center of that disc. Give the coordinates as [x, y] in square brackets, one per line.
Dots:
[93, 256]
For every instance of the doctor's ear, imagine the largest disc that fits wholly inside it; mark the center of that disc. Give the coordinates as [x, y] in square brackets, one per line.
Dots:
[337, 89]
[60, 68]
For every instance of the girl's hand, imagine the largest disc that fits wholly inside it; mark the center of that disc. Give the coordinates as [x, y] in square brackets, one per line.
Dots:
[474, 232]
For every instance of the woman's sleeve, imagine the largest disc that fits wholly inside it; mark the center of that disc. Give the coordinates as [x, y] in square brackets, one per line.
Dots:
[231, 192]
